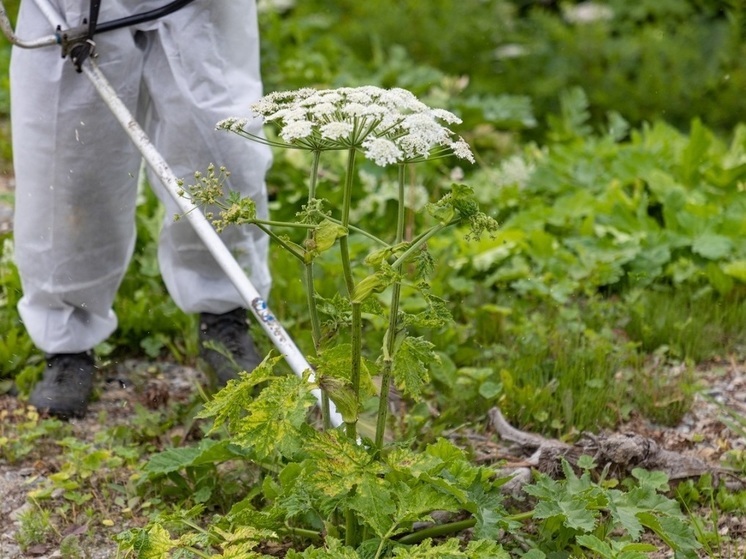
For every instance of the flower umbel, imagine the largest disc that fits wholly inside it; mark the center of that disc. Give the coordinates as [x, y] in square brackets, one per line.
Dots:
[390, 126]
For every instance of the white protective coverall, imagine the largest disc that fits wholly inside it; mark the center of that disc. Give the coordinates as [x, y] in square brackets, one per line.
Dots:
[76, 169]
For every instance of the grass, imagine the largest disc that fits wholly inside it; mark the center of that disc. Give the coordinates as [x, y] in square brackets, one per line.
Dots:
[690, 324]
[35, 527]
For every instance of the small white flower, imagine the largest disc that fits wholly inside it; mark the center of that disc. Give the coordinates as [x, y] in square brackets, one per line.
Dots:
[414, 146]
[323, 109]
[296, 130]
[446, 116]
[382, 151]
[355, 109]
[336, 129]
[361, 96]
[462, 150]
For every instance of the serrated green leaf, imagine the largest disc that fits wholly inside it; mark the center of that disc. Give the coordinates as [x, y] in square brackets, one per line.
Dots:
[374, 502]
[273, 420]
[241, 541]
[594, 544]
[655, 480]
[334, 549]
[228, 406]
[416, 502]
[572, 122]
[446, 451]
[625, 514]
[452, 549]
[614, 549]
[573, 514]
[409, 368]
[485, 549]
[677, 534]
[434, 315]
[486, 504]
[156, 544]
[337, 463]
[414, 463]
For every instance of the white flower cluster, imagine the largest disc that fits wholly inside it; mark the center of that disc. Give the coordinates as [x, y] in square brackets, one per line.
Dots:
[390, 126]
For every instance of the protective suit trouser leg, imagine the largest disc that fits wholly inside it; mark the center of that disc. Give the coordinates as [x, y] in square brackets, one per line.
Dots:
[75, 189]
[201, 66]
[75, 167]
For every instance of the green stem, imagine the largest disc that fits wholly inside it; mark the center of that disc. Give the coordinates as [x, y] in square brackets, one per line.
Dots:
[390, 338]
[357, 346]
[352, 535]
[437, 530]
[301, 533]
[345, 222]
[311, 292]
[292, 250]
[453, 527]
[358, 230]
[351, 529]
[356, 328]
[421, 240]
[270, 223]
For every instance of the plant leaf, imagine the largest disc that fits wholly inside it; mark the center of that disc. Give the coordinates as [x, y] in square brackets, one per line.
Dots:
[409, 368]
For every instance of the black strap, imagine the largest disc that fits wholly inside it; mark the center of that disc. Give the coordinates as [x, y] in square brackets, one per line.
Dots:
[85, 48]
[81, 45]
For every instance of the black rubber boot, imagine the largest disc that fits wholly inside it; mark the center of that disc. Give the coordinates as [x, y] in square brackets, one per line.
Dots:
[230, 333]
[67, 385]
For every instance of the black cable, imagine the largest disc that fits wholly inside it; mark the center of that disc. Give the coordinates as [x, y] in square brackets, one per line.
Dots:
[143, 17]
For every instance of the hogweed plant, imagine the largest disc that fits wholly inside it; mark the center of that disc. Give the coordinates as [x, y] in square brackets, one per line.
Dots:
[389, 128]
[341, 495]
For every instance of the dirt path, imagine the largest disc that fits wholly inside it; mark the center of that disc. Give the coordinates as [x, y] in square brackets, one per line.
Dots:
[120, 389]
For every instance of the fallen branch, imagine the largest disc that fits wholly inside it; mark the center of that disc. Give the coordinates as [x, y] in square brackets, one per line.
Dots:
[620, 453]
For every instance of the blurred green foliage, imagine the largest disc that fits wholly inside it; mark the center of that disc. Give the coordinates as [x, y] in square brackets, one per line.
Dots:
[649, 59]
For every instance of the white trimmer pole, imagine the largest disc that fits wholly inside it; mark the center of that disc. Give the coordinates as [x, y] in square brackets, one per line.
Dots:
[254, 301]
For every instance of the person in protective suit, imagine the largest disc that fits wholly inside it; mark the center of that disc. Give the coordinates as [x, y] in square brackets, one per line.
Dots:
[76, 175]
